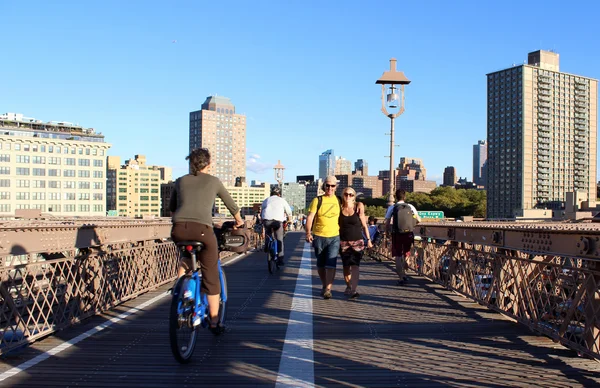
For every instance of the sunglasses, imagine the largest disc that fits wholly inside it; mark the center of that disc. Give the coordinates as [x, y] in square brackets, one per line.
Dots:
[348, 194]
[328, 186]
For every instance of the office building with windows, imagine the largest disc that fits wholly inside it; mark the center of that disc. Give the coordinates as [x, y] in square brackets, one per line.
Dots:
[342, 166]
[542, 132]
[450, 176]
[217, 127]
[134, 188]
[54, 167]
[326, 164]
[479, 162]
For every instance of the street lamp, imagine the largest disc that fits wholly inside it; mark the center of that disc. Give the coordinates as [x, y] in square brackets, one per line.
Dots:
[278, 168]
[392, 97]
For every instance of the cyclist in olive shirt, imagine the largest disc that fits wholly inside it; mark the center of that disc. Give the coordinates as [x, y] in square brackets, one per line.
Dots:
[191, 204]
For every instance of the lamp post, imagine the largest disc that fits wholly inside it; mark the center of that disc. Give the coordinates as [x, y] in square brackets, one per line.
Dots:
[392, 97]
[278, 168]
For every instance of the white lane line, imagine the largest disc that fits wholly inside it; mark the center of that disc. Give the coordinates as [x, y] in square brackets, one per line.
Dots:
[296, 368]
[65, 345]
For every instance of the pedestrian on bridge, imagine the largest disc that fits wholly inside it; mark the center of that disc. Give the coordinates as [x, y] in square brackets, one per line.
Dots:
[400, 219]
[324, 211]
[352, 245]
[191, 204]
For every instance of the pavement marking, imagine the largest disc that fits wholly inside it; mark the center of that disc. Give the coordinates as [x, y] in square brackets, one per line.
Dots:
[296, 368]
[65, 345]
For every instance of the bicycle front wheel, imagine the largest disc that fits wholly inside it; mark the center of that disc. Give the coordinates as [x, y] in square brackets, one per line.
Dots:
[223, 299]
[182, 333]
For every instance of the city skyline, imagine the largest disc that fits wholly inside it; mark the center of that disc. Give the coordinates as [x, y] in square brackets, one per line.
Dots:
[134, 84]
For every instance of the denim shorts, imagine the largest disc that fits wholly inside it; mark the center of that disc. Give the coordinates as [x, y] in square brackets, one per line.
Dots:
[326, 251]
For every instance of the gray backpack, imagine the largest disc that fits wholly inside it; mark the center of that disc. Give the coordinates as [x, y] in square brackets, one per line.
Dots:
[403, 219]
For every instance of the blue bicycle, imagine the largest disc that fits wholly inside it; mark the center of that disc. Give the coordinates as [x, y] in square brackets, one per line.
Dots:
[189, 306]
[271, 244]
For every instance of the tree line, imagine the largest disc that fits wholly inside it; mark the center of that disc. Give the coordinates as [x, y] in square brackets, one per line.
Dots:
[454, 203]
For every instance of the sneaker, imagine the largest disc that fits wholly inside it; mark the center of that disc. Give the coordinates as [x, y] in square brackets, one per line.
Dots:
[355, 295]
[327, 295]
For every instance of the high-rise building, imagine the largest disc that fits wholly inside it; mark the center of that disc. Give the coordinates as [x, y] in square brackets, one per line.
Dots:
[326, 164]
[246, 197]
[412, 176]
[295, 194]
[541, 130]
[449, 176]
[365, 186]
[54, 167]
[217, 127]
[342, 166]
[134, 189]
[361, 167]
[479, 162]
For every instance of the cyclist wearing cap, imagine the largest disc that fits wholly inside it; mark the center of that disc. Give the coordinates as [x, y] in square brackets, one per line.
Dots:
[276, 210]
[191, 204]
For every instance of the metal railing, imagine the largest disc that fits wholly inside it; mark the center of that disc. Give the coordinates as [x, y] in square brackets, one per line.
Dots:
[544, 275]
[57, 273]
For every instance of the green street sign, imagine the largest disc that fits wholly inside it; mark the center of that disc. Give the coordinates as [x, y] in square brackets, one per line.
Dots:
[431, 214]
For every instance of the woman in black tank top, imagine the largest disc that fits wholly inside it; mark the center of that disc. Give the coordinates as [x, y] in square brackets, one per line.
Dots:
[352, 244]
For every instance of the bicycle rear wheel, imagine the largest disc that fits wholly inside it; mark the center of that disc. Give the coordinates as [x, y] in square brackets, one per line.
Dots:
[182, 333]
[271, 261]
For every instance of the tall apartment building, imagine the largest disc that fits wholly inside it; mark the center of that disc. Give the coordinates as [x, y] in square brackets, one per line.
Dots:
[412, 176]
[134, 188]
[342, 166]
[479, 162]
[542, 133]
[326, 164]
[217, 127]
[55, 167]
[450, 176]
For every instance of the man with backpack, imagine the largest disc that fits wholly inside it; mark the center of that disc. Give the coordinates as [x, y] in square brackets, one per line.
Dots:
[400, 220]
[323, 221]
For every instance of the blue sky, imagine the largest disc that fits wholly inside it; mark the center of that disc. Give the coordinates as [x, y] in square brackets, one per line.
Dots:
[303, 72]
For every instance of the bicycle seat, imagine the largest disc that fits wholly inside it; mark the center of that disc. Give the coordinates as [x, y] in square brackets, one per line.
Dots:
[192, 244]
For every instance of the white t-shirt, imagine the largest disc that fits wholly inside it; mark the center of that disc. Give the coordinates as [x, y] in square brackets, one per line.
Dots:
[275, 208]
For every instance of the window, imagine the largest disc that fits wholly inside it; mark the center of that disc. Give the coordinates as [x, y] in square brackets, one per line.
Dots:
[98, 185]
[97, 174]
[4, 182]
[84, 185]
[70, 161]
[4, 170]
[4, 208]
[4, 158]
[69, 173]
[84, 162]
[84, 196]
[68, 184]
[84, 208]
[69, 196]
[98, 163]
[22, 158]
[39, 159]
[22, 171]
[38, 196]
[39, 184]
[83, 173]
[39, 172]
[99, 208]
[21, 196]
[53, 172]
[4, 194]
[98, 196]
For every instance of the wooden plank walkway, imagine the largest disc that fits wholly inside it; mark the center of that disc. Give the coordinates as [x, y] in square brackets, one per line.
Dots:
[416, 335]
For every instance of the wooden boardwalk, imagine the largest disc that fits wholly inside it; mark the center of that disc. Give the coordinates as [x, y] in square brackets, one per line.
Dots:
[416, 335]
